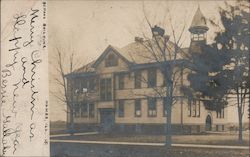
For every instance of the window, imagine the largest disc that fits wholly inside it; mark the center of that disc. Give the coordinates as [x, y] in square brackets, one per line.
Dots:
[137, 107]
[138, 79]
[111, 60]
[121, 81]
[189, 107]
[198, 108]
[84, 110]
[165, 107]
[193, 108]
[121, 108]
[220, 113]
[77, 110]
[91, 84]
[151, 78]
[105, 89]
[152, 107]
[91, 110]
[217, 127]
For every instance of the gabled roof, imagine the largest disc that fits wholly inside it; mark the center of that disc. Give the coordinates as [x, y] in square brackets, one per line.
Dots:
[86, 70]
[106, 51]
[140, 52]
[133, 54]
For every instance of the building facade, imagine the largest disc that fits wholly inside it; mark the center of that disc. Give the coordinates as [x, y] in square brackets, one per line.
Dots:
[120, 90]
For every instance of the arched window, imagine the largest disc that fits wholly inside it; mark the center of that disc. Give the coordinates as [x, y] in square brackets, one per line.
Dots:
[111, 60]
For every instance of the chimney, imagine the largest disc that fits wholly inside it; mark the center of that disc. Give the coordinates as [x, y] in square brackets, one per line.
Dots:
[157, 31]
[138, 39]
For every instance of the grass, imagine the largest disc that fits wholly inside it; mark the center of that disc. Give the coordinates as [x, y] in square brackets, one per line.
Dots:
[95, 150]
[213, 139]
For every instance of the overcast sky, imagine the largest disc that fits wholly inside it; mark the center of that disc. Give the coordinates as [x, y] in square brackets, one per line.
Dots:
[88, 27]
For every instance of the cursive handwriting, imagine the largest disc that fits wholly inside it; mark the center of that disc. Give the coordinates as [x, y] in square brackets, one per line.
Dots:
[32, 127]
[34, 16]
[5, 144]
[14, 97]
[34, 63]
[24, 79]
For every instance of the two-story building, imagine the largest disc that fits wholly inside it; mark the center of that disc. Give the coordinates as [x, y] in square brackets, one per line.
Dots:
[117, 90]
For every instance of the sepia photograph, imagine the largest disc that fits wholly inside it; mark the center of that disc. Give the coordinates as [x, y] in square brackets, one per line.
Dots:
[149, 78]
[122, 78]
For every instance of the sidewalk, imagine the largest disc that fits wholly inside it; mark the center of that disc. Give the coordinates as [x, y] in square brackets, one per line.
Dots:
[151, 144]
[75, 134]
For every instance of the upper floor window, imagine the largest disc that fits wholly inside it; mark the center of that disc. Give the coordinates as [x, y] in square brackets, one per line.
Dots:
[111, 60]
[84, 83]
[189, 107]
[121, 108]
[121, 81]
[138, 79]
[152, 107]
[151, 78]
[137, 107]
[220, 113]
[91, 84]
[193, 108]
[105, 89]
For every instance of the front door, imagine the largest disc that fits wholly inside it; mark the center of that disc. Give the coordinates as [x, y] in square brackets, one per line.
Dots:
[208, 123]
[107, 117]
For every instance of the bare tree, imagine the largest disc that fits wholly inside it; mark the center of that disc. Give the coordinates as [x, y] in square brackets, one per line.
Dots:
[65, 64]
[164, 54]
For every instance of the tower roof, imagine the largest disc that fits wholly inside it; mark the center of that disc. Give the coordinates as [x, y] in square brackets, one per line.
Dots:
[199, 24]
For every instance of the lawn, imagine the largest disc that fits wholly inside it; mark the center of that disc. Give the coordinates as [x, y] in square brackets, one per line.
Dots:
[96, 150]
[214, 139]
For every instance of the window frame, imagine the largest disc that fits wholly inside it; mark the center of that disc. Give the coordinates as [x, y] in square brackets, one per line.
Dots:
[164, 107]
[77, 112]
[91, 112]
[137, 80]
[189, 107]
[105, 89]
[84, 104]
[152, 112]
[137, 102]
[193, 108]
[152, 77]
[121, 81]
[121, 108]
[111, 60]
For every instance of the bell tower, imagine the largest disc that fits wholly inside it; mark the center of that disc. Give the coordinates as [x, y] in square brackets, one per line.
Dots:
[198, 28]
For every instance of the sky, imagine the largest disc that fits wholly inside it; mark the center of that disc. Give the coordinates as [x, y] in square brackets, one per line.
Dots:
[88, 27]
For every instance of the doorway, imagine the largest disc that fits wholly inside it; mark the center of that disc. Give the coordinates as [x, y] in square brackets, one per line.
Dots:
[208, 123]
[107, 119]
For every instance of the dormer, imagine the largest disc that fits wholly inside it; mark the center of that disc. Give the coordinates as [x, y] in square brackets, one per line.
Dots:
[110, 61]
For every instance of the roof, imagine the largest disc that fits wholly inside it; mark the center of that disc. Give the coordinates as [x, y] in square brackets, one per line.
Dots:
[135, 53]
[106, 51]
[198, 23]
[86, 68]
[140, 52]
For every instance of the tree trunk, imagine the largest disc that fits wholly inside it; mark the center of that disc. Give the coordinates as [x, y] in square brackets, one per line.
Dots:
[168, 126]
[169, 117]
[240, 128]
[71, 123]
